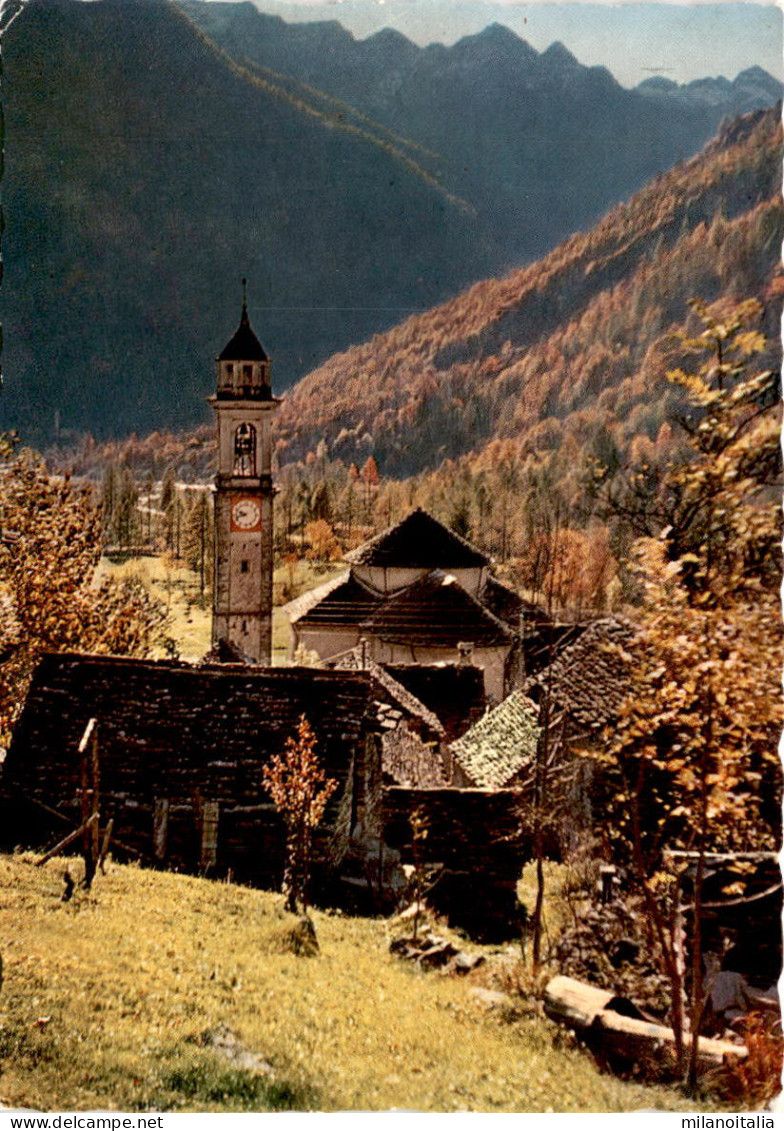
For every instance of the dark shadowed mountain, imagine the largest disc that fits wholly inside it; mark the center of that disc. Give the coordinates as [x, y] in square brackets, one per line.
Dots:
[539, 144]
[145, 174]
[560, 362]
[150, 165]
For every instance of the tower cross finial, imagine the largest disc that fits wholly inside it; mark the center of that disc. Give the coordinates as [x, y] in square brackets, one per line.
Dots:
[244, 294]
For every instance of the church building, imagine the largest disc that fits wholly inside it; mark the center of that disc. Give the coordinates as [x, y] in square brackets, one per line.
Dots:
[244, 407]
[181, 747]
[418, 594]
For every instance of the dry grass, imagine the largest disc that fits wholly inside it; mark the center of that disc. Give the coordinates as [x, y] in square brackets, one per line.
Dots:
[106, 997]
[190, 611]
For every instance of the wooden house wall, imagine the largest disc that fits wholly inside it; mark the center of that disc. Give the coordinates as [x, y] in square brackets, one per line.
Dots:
[189, 736]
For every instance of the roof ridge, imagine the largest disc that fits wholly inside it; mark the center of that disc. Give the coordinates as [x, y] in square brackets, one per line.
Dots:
[298, 606]
[357, 555]
[425, 584]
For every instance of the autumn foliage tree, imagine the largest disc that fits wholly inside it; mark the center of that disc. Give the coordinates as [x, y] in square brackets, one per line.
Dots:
[53, 597]
[694, 751]
[300, 790]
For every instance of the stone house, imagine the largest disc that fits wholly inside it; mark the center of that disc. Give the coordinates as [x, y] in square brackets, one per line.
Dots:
[181, 749]
[417, 594]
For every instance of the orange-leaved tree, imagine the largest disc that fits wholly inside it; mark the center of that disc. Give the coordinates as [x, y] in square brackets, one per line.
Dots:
[693, 754]
[300, 789]
[52, 595]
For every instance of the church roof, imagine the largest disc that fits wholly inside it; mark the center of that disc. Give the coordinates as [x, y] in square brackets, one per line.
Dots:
[418, 541]
[509, 606]
[244, 346]
[436, 610]
[340, 601]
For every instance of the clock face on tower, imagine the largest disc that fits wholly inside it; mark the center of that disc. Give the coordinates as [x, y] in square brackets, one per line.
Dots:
[245, 515]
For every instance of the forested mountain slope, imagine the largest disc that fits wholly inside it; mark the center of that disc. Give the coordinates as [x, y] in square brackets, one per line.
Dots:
[538, 143]
[575, 345]
[145, 173]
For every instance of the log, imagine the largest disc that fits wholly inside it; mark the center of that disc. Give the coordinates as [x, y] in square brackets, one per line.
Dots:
[107, 836]
[635, 1040]
[575, 1003]
[595, 1014]
[65, 841]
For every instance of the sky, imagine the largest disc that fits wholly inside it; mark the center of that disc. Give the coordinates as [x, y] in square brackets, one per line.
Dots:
[677, 40]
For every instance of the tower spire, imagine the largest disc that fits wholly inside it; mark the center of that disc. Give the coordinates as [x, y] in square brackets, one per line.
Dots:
[244, 298]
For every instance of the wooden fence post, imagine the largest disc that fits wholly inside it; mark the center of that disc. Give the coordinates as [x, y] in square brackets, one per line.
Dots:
[89, 773]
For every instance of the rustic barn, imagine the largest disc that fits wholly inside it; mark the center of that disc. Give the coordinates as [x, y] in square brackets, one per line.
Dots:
[181, 749]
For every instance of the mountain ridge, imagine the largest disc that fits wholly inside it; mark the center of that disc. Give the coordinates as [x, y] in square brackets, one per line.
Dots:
[135, 198]
[503, 358]
[554, 365]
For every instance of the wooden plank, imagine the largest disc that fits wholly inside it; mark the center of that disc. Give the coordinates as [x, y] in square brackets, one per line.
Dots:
[107, 836]
[86, 738]
[209, 834]
[633, 1039]
[89, 776]
[160, 828]
[72, 836]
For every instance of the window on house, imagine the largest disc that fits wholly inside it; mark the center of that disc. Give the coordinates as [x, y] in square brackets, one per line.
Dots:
[209, 834]
[244, 566]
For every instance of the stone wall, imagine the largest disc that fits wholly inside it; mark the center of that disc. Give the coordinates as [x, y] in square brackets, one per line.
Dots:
[482, 840]
[409, 761]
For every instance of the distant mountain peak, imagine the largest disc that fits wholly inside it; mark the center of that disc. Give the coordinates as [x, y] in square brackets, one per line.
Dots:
[496, 38]
[391, 37]
[560, 55]
[657, 83]
[498, 32]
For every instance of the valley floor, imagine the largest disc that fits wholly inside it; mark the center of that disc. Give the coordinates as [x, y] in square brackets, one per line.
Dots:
[106, 1000]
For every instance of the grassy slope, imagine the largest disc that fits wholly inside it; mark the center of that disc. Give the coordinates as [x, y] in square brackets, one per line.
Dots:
[132, 974]
[190, 613]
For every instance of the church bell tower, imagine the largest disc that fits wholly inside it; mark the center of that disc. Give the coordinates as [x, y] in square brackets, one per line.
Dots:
[244, 407]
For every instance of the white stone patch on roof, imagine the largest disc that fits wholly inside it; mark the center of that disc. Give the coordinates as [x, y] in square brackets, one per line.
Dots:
[500, 744]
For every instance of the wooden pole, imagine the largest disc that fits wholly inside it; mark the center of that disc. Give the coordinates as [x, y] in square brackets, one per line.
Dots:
[107, 836]
[89, 772]
[61, 844]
